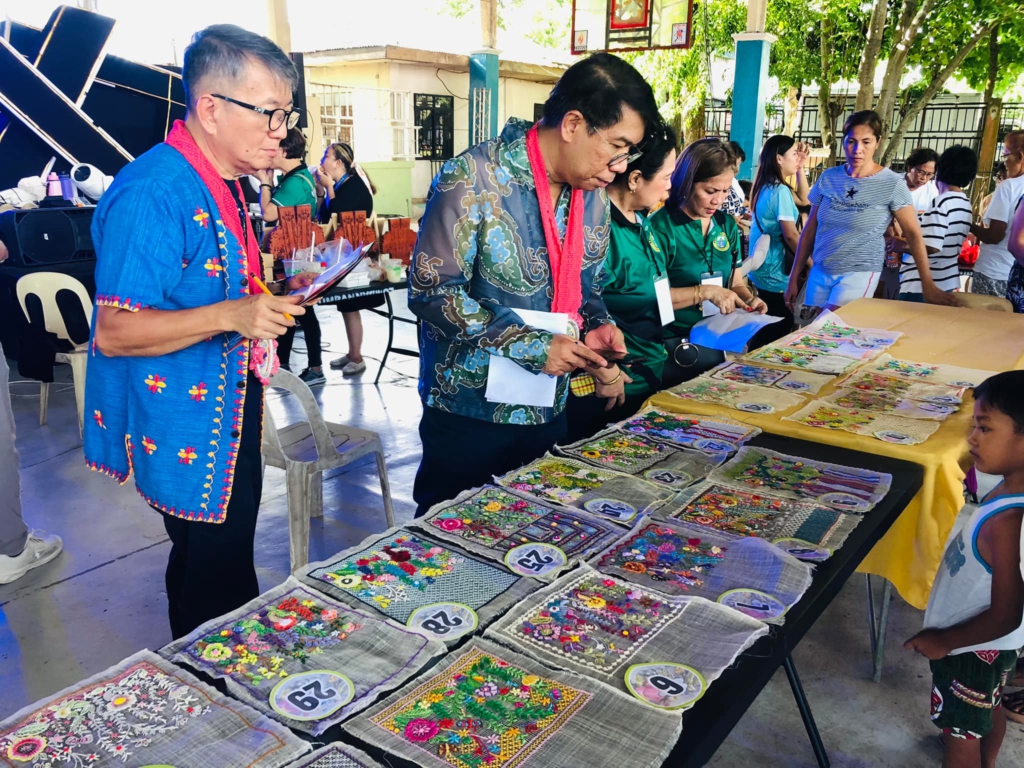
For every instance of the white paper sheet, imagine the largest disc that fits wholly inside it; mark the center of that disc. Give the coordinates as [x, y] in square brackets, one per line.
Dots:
[729, 333]
[508, 382]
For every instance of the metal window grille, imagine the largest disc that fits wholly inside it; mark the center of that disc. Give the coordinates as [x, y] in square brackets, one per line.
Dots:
[385, 129]
[481, 115]
[435, 119]
[337, 112]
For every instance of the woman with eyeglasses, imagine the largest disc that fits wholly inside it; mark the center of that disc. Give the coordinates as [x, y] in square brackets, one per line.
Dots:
[634, 271]
[920, 177]
[345, 187]
[702, 251]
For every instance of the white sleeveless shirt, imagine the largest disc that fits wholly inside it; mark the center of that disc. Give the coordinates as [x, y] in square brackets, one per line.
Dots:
[963, 586]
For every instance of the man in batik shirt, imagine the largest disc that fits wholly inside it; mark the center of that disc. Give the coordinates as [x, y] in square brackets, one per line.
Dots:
[491, 242]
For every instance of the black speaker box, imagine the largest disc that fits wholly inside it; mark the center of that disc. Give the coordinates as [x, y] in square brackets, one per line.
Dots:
[48, 239]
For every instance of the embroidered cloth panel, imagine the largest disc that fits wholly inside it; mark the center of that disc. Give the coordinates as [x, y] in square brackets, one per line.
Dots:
[337, 755]
[402, 571]
[302, 658]
[604, 493]
[742, 397]
[856, 349]
[801, 360]
[714, 437]
[487, 705]
[950, 375]
[674, 558]
[885, 427]
[596, 625]
[144, 711]
[767, 517]
[491, 521]
[802, 382]
[846, 489]
[829, 326]
[883, 402]
[895, 387]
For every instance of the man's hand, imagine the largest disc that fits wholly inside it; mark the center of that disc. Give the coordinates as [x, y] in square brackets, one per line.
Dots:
[300, 281]
[933, 295]
[566, 354]
[929, 643]
[262, 316]
[606, 337]
[615, 393]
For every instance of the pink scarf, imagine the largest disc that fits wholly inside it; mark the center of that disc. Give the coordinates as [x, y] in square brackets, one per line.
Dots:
[566, 257]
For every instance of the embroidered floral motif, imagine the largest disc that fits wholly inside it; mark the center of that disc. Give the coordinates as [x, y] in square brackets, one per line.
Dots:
[735, 511]
[501, 520]
[148, 445]
[665, 554]
[597, 621]
[750, 374]
[907, 369]
[259, 647]
[686, 429]
[556, 480]
[814, 344]
[214, 267]
[156, 383]
[710, 391]
[836, 418]
[107, 722]
[202, 217]
[832, 330]
[98, 418]
[187, 455]
[198, 392]
[802, 359]
[482, 711]
[627, 452]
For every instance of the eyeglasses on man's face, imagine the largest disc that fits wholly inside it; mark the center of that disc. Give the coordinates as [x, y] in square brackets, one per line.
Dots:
[275, 117]
[922, 174]
[632, 152]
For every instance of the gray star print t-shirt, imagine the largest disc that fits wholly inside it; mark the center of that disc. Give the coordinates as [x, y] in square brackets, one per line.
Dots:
[853, 215]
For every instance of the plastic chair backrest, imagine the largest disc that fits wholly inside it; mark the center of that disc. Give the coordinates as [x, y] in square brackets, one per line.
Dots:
[321, 434]
[45, 286]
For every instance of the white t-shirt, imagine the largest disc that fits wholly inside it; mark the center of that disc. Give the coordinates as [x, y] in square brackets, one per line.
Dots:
[923, 196]
[944, 227]
[995, 260]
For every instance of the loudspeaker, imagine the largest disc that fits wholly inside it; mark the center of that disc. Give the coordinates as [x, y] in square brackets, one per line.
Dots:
[48, 239]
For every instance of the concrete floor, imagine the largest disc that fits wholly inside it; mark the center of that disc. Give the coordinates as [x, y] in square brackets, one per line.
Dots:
[103, 599]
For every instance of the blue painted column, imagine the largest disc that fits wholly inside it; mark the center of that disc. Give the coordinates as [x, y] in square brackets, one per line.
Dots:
[749, 90]
[483, 73]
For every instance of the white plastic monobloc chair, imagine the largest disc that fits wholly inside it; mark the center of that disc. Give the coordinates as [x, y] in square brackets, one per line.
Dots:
[45, 286]
[304, 450]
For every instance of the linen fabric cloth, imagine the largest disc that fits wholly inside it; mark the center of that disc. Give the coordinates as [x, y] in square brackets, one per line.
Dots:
[292, 630]
[145, 711]
[337, 755]
[562, 719]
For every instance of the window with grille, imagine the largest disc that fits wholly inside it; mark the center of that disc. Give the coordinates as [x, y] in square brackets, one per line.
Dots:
[435, 118]
[336, 112]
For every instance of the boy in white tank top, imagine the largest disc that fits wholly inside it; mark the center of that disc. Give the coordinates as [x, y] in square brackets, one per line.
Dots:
[974, 624]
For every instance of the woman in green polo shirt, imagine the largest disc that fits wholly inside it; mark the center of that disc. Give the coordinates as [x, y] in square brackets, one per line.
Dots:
[702, 251]
[633, 268]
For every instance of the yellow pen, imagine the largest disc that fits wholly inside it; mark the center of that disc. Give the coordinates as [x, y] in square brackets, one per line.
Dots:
[262, 286]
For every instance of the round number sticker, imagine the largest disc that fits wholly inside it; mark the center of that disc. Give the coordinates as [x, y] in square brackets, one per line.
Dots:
[891, 436]
[804, 550]
[967, 384]
[715, 447]
[312, 695]
[951, 400]
[668, 477]
[753, 602]
[796, 386]
[666, 685]
[443, 621]
[756, 407]
[535, 559]
[844, 502]
[617, 510]
[938, 409]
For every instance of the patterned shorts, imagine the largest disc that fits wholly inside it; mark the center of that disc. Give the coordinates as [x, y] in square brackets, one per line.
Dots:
[967, 688]
[988, 286]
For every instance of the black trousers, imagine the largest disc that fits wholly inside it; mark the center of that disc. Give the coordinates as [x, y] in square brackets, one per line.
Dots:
[461, 453]
[311, 331]
[587, 415]
[776, 308]
[210, 571]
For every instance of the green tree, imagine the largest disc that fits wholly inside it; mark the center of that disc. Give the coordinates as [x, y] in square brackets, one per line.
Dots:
[996, 64]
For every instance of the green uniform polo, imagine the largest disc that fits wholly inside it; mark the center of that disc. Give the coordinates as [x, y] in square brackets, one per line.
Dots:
[295, 188]
[689, 254]
[635, 259]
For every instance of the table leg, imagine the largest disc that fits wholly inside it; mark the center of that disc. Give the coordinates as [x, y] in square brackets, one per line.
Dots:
[805, 713]
[391, 337]
[878, 634]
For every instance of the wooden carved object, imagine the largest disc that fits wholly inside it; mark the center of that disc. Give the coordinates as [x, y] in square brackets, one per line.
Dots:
[399, 241]
[295, 230]
[353, 227]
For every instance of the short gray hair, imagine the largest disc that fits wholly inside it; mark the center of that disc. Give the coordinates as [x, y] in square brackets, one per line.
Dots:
[224, 50]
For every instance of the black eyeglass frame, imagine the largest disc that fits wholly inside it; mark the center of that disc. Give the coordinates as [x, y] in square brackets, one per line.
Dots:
[289, 117]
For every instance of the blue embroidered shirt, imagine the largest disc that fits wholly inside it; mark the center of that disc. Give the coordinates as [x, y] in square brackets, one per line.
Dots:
[176, 419]
[480, 255]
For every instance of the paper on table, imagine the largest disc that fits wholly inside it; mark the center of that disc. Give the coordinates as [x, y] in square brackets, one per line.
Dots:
[508, 382]
[729, 333]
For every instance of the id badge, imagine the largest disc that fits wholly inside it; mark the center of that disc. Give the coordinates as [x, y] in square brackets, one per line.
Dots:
[716, 279]
[664, 294]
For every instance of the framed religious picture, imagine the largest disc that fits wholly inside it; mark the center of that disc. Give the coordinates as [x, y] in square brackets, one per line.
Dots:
[680, 34]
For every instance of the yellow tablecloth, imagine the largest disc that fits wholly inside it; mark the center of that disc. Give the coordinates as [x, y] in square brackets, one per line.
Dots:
[908, 555]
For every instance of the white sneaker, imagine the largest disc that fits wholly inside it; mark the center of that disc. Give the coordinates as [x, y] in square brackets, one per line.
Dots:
[39, 550]
[339, 362]
[352, 369]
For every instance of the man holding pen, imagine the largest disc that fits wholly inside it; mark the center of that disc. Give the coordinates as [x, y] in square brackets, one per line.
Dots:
[171, 395]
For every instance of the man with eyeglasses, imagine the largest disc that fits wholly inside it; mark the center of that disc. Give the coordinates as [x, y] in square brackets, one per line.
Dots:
[992, 269]
[505, 278]
[183, 333]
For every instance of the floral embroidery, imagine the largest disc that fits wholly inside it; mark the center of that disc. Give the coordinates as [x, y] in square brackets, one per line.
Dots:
[836, 418]
[750, 374]
[801, 359]
[98, 418]
[259, 647]
[597, 621]
[187, 455]
[556, 480]
[202, 217]
[814, 344]
[895, 388]
[832, 330]
[709, 391]
[685, 429]
[156, 383]
[214, 267]
[148, 445]
[738, 512]
[499, 520]
[482, 711]
[108, 721]
[198, 392]
[623, 451]
[665, 554]
[907, 369]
